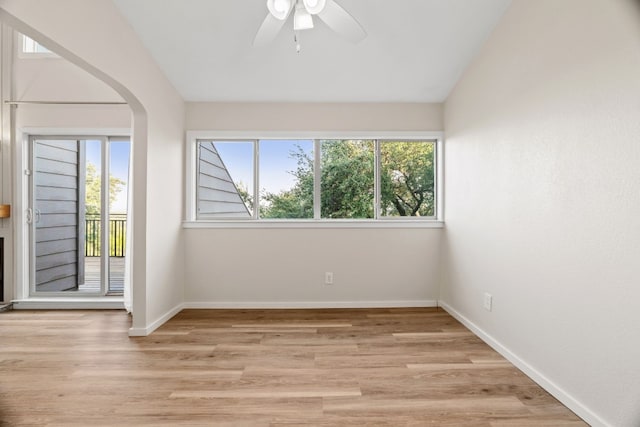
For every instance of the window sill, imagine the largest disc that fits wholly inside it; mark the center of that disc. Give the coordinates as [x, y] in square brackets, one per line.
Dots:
[310, 224]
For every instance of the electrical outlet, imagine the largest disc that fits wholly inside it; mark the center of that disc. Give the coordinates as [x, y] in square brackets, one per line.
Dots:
[488, 301]
[328, 278]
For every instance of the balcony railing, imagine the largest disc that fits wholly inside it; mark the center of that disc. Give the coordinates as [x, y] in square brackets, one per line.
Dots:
[117, 235]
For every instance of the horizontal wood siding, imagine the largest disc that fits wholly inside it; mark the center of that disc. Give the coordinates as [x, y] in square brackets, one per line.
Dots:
[56, 173]
[56, 246]
[217, 194]
[55, 234]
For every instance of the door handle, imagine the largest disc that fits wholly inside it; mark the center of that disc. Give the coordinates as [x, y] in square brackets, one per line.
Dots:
[33, 216]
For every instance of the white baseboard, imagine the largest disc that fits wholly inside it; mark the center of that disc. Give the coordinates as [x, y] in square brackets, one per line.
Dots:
[143, 332]
[308, 304]
[79, 303]
[556, 391]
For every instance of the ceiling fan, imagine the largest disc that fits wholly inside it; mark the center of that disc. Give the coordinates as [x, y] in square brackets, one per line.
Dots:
[330, 12]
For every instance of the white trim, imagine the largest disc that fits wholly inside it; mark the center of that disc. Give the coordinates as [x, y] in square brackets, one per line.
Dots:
[308, 304]
[73, 132]
[21, 243]
[317, 185]
[256, 180]
[143, 332]
[192, 136]
[564, 397]
[6, 160]
[377, 168]
[22, 230]
[75, 303]
[439, 167]
[105, 194]
[190, 179]
[298, 223]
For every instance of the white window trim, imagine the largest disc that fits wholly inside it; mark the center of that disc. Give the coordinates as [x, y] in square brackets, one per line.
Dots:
[191, 220]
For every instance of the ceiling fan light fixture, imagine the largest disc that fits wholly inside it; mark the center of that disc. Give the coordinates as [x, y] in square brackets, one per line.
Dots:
[334, 16]
[314, 6]
[279, 8]
[302, 19]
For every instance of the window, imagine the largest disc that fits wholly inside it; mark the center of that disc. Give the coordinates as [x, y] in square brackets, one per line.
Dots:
[225, 187]
[407, 178]
[31, 48]
[286, 179]
[314, 179]
[347, 179]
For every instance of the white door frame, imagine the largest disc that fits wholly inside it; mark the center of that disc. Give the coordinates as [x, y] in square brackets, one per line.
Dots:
[22, 271]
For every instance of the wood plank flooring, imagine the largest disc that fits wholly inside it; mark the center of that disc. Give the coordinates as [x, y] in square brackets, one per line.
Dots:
[364, 367]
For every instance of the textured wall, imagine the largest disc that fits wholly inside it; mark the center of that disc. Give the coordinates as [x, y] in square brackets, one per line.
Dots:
[543, 194]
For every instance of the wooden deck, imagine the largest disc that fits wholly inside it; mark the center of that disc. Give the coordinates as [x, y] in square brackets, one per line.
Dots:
[263, 368]
[92, 275]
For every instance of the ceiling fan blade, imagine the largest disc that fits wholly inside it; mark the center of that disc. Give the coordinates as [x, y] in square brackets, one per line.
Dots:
[268, 31]
[341, 21]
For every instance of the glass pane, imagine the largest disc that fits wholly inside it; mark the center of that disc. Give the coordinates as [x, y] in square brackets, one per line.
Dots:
[286, 179]
[118, 198]
[92, 211]
[58, 251]
[407, 178]
[31, 46]
[225, 179]
[347, 177]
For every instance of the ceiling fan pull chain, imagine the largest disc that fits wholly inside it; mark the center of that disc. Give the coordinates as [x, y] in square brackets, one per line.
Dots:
[296, 39]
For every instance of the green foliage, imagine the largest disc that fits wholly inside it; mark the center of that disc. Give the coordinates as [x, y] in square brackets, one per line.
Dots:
[407, 179]
[92, 186]
[294, 203]
[92, 209]
[243, 192]
[347, 189]
[347, 182]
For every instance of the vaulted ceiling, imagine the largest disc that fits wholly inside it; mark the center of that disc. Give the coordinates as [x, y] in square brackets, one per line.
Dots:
[415, 50]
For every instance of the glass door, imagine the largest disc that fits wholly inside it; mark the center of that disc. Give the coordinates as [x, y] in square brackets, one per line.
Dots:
[72, 195]
[119, 153]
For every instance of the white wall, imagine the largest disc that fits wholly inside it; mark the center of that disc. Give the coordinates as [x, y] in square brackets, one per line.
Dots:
[98, 39]
[285, 267]
[56, 79]
[543, 195]
[5, 177]
[314, 117]
[40, 78]
[73, 117]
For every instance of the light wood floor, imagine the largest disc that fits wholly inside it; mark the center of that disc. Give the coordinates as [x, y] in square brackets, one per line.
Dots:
[389, 367]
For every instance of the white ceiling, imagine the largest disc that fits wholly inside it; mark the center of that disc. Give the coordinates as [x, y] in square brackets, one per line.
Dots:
[415, 50]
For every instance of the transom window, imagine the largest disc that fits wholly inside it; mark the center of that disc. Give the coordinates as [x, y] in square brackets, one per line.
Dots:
[315, 179]
[31, 48]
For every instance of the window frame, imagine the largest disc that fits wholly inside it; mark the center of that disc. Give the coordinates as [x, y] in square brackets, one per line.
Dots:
[192, 220]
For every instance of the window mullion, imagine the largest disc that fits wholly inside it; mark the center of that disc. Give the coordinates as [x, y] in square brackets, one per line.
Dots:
[256, 179]
[317, 174]
[104, 216]
[376, 179]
